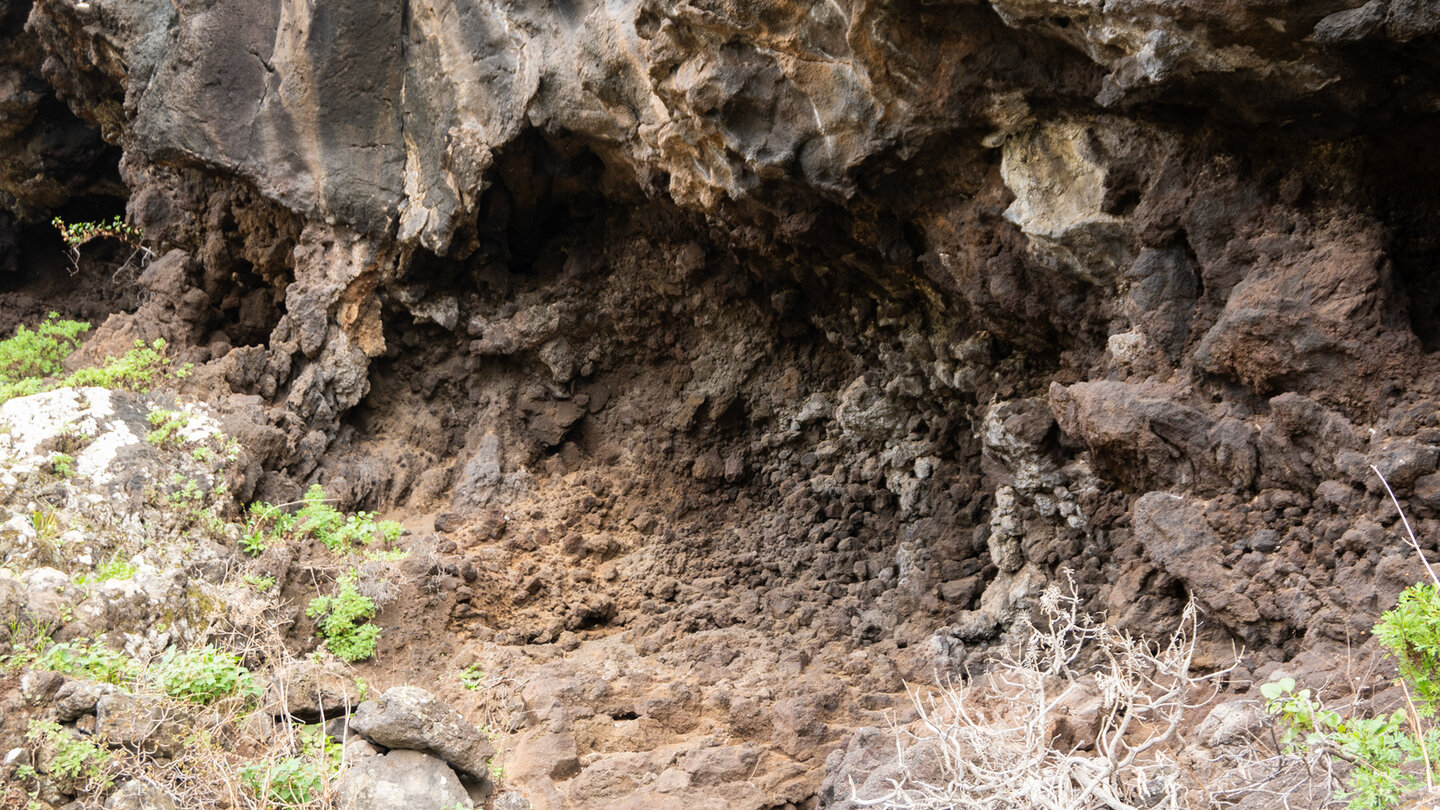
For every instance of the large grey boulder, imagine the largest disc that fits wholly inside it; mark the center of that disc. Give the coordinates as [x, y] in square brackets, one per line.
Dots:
[411, 718]
[401, 779]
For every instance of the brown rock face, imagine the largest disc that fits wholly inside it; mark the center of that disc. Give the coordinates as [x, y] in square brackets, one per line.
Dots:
[756, 357]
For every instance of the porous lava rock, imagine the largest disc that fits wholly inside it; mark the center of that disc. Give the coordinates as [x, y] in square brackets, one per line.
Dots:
[736, 361]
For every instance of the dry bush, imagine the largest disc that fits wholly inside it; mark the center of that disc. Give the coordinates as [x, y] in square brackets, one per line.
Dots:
[995, 746]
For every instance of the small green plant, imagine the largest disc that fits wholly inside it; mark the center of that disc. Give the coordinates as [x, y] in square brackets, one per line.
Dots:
[1387, 751]
[497, 771]
[62, 465]
[166, 426]
[202, 675]
[259, 584]
[343, 620]
[341, 533]
[136, 370]
[116, 567]
[30, 356]
[296, 781]
[45, 522]
[87, 657]
[74, 758]
[473, 677]
[77, 234]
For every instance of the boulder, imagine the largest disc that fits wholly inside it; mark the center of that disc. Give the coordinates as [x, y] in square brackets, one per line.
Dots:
[138, 794]
[139, 723]
[309, 691]
[411, 718]
[77, 698]
[401, 779]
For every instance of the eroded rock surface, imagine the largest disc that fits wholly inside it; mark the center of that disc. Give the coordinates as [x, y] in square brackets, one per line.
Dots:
[734, 363]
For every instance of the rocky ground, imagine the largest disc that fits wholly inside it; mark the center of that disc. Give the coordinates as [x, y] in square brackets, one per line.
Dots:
[730, 366]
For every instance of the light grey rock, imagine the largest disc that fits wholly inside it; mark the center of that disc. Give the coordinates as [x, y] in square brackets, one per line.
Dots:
[401, 779]
[1230, 723]
[138, 794]
[308, 691]
[77, 698]
[139, 723]
[511, 800]
[411, 718]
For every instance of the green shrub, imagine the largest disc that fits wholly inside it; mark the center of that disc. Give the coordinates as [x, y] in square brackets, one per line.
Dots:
[202, 675]
[295, 781]
[30, 356]
[62, 465]
[342, 620]
[75, 758]
[76, 234]
[136, 370]
[1385, 751]
[341, 533]
[166, 426]
[1411, 634]
[260, 584]
[87, 657]
[473, 677]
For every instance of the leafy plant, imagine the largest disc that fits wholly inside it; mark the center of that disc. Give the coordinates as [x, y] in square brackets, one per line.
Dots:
[76, 234]
[1385, 751]
[260, 584]
[74, 758]
[87, 657]
[166, 425]
[1379, 747]
[203, 675]
[46, 523]
[288, 782]
[299, 780]
[136, 370]
[114, 568]
[343, 619]
[62, 465]
[341, 533]
[473, 677]
[29, 356]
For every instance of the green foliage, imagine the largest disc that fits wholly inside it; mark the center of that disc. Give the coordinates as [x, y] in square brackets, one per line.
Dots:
[203, 675]
[1411, 634]
[116, 567]
[75, 758]
[343, 619]
[87, 657]
[295, 781]
[45, 522]
[166, 426]
[136, 370]
[341, 533]
[259, 584]
[76, 234]
[288, 782]
[473, 677]
[62, 465]
[1386, 749]
[30, 356]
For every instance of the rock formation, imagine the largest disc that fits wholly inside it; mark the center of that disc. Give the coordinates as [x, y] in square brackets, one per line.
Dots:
[746, 360]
